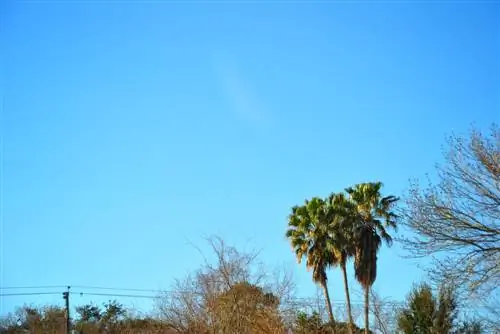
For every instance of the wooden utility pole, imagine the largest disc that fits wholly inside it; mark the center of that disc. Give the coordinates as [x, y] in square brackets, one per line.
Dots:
[68, 319]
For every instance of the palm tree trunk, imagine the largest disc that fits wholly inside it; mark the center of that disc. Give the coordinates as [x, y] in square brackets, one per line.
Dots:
[367, 310]
[328, 303]
[347, 298]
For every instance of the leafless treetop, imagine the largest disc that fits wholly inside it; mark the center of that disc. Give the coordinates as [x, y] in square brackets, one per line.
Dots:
[457, 219]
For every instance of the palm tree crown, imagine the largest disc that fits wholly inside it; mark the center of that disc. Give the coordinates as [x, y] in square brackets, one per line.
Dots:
[342, 218]
[372, 217]
[329, 232]
[308, 232]
[309, 237]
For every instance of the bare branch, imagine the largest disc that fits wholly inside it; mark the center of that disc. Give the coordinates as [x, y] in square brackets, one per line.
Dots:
[232, 295]
[457, 219]
[385, 314]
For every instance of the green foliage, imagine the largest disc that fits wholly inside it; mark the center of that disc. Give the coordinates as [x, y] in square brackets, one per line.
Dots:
[313, 324]
[89, 313]
[373, 215]
[310, 237]
[470, 327]
[418, 316]
[306, 323]
[427, 313]
[91, 319]
[329, 232]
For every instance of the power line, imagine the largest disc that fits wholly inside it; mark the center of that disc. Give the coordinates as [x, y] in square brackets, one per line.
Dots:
[28, 294]
[298, 300]
[114, 295]
[81, 287]
[32, 287]
[92, 287]
[115, 289]
[81, 293]
[302, 300]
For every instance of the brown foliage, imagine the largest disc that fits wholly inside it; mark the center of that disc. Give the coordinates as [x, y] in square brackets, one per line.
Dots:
[233, 296]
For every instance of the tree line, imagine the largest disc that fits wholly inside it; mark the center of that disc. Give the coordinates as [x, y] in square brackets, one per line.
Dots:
[455, 220]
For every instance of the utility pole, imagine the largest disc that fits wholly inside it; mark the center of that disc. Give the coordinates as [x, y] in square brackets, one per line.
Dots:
[68, 319]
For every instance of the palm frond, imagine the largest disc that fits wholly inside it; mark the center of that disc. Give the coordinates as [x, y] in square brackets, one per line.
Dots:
[373, 215]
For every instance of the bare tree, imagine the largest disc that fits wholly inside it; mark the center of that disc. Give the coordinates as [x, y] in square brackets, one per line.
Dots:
[487, 312]
[233, 295]
[384, 313]
[457, 219]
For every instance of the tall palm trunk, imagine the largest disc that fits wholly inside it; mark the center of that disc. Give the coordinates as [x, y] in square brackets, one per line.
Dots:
[347, 297]
[367, 309]
[328, 302]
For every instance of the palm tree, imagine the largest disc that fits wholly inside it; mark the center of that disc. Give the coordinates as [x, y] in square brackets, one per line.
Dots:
[373, 216]
[309, 238]
[341, 212]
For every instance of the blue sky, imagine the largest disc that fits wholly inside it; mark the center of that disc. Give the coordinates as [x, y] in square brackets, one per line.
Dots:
[131, 130]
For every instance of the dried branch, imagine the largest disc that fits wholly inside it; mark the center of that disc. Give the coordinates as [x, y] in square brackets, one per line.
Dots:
[232, 295]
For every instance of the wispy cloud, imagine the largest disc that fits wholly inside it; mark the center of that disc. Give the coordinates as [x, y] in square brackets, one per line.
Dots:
[242, 97]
